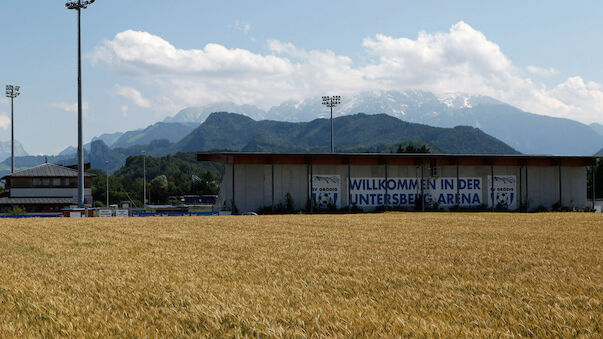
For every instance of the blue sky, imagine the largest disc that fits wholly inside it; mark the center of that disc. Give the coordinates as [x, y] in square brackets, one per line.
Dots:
[145, 60]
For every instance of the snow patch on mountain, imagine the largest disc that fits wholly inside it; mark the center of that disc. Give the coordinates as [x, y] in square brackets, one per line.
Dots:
[526, 132]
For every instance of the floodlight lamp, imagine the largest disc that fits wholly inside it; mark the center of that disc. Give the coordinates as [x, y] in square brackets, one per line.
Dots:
[17, 88]
[9, 87]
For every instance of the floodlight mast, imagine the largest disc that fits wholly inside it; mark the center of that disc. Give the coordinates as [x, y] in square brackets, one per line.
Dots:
[12, 92]
[107, 175]
[331, 102]
[144, 179]
[78, 6]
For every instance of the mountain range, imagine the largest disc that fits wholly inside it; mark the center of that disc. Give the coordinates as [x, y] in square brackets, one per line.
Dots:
[352, 133]
[597, 127]
[170, 131]
[5, 150]
[388, 119]
[526, 132]
[237, 132]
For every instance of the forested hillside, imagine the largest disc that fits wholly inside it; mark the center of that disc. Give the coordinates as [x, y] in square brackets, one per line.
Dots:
[166, 176]
[354, 132]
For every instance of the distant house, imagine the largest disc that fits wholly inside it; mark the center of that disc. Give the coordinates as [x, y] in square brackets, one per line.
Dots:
[44, 188]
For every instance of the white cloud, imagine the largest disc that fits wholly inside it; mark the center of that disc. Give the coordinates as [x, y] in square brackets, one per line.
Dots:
[124, 111]
[286, 48]
[71, 108]
[140, 53]
[133, 95]
[4, 121]
[542, 72]
[242, 26]
[459, 60]
[581, 99]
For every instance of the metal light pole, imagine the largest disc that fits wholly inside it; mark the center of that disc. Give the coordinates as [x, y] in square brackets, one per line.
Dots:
[107, 174]
[144, 179]
[78, 6]
[12, 92]
[331, 102]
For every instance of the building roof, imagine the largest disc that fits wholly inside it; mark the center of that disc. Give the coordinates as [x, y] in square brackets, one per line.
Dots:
[395, 159]
[46, 170]
[37, 201]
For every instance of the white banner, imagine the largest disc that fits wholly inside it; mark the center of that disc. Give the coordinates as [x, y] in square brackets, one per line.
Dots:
[326, 190]
[370, 192]
[505, 194]
[121, 213]
[105, 213]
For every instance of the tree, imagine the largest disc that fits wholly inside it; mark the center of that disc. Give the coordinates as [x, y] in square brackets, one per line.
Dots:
[159, 189]
[413, 149]
[178, 171]
[99, 185]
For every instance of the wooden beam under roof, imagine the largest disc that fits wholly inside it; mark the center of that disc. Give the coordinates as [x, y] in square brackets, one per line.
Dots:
[393, 159]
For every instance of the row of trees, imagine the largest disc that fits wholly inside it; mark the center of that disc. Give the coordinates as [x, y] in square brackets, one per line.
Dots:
[172, 175]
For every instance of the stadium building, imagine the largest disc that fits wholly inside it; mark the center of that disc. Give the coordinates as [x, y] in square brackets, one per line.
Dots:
[253, 181]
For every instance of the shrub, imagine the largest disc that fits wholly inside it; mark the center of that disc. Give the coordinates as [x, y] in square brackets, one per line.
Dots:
[283, 207]
[16, 210]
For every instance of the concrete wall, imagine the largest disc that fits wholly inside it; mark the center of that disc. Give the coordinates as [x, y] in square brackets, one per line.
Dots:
[543, 186]
[253, 183]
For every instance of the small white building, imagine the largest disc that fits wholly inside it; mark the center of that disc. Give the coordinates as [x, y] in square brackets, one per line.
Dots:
[253, 181]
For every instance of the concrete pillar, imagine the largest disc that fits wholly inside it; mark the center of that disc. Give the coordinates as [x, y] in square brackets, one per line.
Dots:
[458, 194]
[386, 189]
[311, 187]
[520, 187]
[349, 185]
[594, 174]
[560, 200]
[422, 191]
[527, 191]
[233, 187]
[492, 187]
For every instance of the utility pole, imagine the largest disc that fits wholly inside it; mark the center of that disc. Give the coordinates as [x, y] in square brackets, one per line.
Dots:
[78, 6]
[144, 179]
[331, 102]
[107, 174]
[12, 92]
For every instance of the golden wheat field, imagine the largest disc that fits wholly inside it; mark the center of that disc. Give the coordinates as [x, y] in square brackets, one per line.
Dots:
[367, 275]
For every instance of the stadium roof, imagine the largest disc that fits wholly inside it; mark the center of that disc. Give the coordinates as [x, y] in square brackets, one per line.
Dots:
[395, 159]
